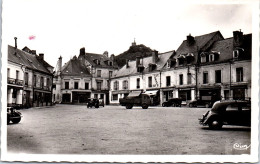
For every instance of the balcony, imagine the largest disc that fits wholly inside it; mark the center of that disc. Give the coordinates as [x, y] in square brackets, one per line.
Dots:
[14, 81]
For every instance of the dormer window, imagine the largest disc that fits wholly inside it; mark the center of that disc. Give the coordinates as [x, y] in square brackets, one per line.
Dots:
[171, 63]
[204, 57]
[211, 57]
[152, 67]
[235, 54]
[189, 58]
[181, 59]
[140, 68]
[97, 61]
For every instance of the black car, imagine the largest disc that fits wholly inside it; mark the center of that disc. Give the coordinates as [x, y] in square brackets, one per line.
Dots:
[204, 103]
[172, 102]
[13, 115]
[228, 112]
[93, 102]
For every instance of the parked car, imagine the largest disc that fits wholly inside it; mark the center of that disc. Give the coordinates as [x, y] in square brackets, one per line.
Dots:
[93, 102]
[227, 112]
[136, 99]
[172, 102]
[205, 103]
[13, 115]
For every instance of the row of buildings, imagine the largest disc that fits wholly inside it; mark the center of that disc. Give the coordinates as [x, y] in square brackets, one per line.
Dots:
[207, 67]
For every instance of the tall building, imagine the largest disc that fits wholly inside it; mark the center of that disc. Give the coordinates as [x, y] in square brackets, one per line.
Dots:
[29, 78]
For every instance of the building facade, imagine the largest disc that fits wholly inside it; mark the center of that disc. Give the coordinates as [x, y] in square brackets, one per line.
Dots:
[29, 80]
[206, 67]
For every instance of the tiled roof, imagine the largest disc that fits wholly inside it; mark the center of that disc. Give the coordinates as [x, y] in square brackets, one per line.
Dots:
[225, 47]
[74, 68]
[200, 42]
[26, 59]
[91, 57]
[125, 71]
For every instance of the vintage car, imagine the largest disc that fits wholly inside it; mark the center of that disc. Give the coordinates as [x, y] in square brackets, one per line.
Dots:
[13, 115]
[136, 98]
[227, 112]
[172, 102]
[203, 103]
[93, 102]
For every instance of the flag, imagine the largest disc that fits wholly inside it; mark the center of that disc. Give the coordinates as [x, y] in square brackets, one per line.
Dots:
[31, 37]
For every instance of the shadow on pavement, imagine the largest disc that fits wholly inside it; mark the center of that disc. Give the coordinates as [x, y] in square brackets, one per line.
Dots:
[248, 129]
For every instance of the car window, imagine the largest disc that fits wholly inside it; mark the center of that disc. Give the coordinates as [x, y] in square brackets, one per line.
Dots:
[233, 107]
[246, 107]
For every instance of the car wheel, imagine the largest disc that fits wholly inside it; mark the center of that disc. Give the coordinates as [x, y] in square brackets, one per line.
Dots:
[16, 120]
[215, 124]
[129, 106]
[174, 105]
[8, 119]
[190, 105]
[207, 105]
[163, 104]
[144, 106]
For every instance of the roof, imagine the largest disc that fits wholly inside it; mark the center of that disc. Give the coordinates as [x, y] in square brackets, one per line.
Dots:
[131, 69]
[74, 68]
[225, 47]
[201, 43]
[91, 57]
[26, 59]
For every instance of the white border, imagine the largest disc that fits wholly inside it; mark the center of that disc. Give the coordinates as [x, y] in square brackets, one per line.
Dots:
[253, 157]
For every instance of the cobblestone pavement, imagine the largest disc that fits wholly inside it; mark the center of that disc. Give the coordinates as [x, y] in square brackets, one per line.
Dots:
[76, 129]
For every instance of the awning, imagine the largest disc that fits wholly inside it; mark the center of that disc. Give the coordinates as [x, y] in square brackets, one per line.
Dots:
[134, 94]
[153, 92]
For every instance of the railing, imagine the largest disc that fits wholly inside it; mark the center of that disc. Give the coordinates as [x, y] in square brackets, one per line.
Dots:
[14, 81]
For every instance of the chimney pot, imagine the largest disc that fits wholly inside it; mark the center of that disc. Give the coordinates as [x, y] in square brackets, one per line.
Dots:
[238, 38]
[15, 39]
[190, 40]
[155, 56]
[82, 51]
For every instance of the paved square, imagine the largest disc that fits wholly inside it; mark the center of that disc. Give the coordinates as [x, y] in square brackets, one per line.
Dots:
[76, 129]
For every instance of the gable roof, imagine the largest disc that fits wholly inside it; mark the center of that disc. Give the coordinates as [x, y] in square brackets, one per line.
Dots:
[91, 57]
[131, 69]
[26, 59]
[201, 42]
[74, 68]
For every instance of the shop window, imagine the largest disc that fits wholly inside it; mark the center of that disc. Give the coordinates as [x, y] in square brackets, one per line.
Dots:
[239, 74]
[8, 72]
[205, 77]
[218, 76]
[150, 81]
[138, 83]
[76, 85]
[17, 74]
[181, 79]
[67, 85]
[14, 94]
[115, 97]
[168, 81]
[96, 96]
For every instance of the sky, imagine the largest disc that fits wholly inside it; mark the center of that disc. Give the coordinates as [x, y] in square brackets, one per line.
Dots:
[62, 27]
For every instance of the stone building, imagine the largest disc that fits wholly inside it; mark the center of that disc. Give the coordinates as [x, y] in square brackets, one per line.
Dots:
[101, 68]
[29, 80]
[142, 74]
[72, 82]
[206, 67]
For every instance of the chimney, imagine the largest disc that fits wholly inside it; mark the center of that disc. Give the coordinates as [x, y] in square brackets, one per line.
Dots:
[127, 63]
[190, 40]
[41, 56]
[105, 53]
[15, 39]
[112, 57]
[82, 51]
[138, 58]
[155, 56]
[238, 38]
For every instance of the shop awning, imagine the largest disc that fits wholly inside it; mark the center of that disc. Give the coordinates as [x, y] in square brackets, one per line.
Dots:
[153, 92]
[134, 94]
